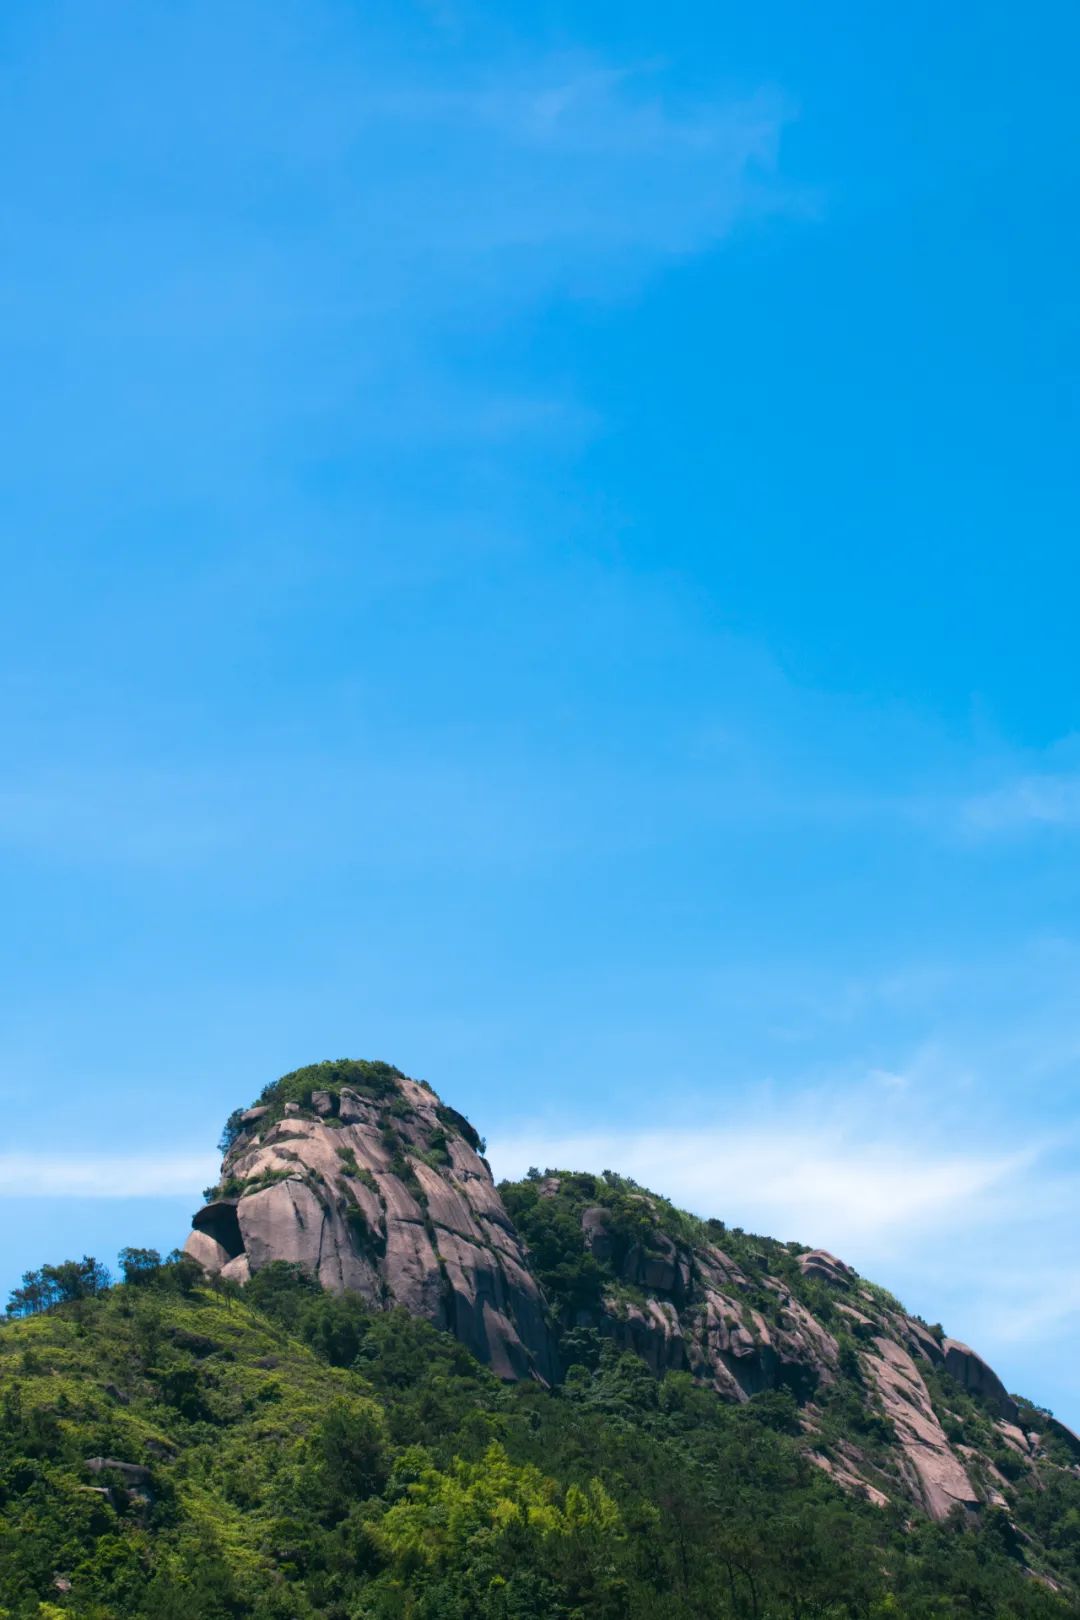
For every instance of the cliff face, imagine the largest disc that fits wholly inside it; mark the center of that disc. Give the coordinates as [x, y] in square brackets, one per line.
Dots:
[366, 1180]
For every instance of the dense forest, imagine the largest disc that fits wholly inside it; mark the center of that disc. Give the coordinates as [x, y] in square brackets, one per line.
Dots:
[178, 1449]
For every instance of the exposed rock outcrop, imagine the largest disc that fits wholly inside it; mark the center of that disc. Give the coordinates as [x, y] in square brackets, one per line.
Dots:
[365, 1180]
[935, 1473]
[973, 1374]
[721, 1340]
[851, 1480]
[689, 1305]
[383, 1195]
[684, 1307]
[1061, 1431]
[919, 1339]
[820, 1263]
[210, 1254]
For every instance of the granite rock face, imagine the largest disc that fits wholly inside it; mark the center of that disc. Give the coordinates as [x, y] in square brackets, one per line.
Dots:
[363, 1178]
[934, 1472]
[748, 1315]
[385, 1196]
[972, 1373]
[820, 1263]
[695, 1317]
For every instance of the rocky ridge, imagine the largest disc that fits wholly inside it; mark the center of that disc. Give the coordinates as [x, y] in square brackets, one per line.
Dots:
[363, 1178]
[894, 1410]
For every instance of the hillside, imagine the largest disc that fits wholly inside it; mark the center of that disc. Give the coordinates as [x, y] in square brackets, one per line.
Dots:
[378, 1386]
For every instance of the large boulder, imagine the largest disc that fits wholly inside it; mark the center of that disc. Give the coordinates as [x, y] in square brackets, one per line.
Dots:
[383, 1195]
[826, 1267]
[210, 1254]
[356, 1110]
[978, 1378]
[218, 1222]
[238, 1270]
[920, 1339]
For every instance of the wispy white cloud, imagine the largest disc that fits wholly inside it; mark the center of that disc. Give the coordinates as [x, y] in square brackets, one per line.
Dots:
[407, 208]
[853, 1192]
[1039, 1300]
[420, 185]
[372, 811]
[592, 139]
[1028, 803]
[96, 1175]
[969, 1225]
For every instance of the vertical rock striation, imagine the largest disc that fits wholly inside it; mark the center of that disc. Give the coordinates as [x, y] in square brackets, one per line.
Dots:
[377, 1188]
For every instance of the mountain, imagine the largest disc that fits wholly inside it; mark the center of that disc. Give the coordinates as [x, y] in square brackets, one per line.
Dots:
[365, 1179]
[375, 1384]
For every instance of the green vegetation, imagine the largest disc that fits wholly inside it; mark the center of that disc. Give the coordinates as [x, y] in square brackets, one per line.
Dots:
[71, 1281]
[374, 1080]
[311, 1459]
[547, 1210]
[844, 1415]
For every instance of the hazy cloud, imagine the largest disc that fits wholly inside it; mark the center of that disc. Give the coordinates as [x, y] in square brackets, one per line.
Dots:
[853, 1193]
[972, 1228]
[1027, 803]
[96, 1175]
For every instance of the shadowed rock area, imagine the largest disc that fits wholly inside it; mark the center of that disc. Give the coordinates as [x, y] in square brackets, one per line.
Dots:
[685, 1307]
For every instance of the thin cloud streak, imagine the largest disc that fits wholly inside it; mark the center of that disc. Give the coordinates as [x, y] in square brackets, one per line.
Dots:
[141, 1175]
[794, 1185]
[956, 1226]
[1030, 802]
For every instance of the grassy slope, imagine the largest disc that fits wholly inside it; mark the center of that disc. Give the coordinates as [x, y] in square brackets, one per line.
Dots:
[208, 1391]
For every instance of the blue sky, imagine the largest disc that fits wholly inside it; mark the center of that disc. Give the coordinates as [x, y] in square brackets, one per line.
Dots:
[540, 544]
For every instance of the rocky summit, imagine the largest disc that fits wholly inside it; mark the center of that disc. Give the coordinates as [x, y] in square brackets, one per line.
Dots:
[377, 1386]
[365, 1180]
